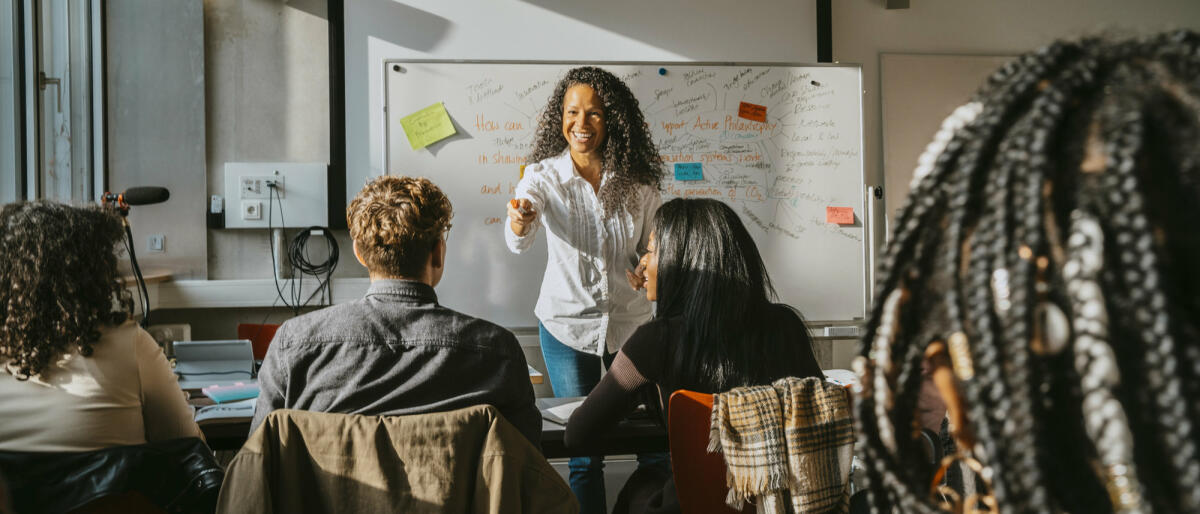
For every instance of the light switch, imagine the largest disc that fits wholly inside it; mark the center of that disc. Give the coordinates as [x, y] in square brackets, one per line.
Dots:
[156, 243]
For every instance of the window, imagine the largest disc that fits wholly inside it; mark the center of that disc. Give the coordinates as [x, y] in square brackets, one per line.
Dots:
[10, 104]
[51, 117]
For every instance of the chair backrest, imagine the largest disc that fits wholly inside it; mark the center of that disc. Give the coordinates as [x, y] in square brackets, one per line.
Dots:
[464, 460]
[260, 336]
[699, 475]
[176, 475]
[130, 502]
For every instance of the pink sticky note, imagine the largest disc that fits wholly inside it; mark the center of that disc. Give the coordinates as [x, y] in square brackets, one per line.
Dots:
[839, 215]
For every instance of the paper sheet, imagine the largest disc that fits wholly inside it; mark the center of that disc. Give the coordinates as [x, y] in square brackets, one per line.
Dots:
[842, 377]
[560, 414]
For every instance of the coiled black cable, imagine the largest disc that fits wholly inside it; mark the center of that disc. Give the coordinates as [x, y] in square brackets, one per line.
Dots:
[323, 271]
[298, 257]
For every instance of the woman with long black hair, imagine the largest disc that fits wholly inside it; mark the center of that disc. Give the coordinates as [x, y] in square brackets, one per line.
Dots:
[716, 328]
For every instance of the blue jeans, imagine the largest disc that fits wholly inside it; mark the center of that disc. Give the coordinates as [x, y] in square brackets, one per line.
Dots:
[574, 373]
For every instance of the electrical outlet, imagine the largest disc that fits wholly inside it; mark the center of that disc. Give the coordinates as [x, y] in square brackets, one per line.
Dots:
[156, 243]
[294, 192]
[259, 186]
[252, 210]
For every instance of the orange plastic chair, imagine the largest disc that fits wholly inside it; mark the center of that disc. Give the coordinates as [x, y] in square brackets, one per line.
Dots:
[699, 475]
[260, 336]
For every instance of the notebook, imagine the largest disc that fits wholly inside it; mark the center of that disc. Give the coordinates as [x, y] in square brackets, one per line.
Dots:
[202, 364]
[558, 410]
[235, 411]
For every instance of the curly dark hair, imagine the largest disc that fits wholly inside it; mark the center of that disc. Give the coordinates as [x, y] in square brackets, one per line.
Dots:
[59, 279]
[630, 157]
[1070, 185]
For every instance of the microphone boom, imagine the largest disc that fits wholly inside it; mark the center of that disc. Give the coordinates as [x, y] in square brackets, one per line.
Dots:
[144, 195]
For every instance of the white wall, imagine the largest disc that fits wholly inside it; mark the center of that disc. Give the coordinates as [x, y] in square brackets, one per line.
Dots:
[552, 30]
[862, 29]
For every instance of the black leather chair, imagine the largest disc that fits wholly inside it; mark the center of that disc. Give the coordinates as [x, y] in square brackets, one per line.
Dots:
[180, 475]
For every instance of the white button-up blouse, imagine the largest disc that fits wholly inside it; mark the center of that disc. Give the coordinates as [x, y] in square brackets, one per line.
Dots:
[585, 297]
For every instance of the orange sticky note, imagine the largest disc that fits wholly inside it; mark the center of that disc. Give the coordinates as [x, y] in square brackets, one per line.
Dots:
[839, 215]
[753, 112]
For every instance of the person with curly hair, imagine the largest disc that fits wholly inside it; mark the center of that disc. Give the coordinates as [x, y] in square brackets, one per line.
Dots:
[1044, 266]
[397, 351]
[79, 374]
[594, 185]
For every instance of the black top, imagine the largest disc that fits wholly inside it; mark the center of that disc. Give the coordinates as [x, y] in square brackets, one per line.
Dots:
[395, 352]
[641, 370]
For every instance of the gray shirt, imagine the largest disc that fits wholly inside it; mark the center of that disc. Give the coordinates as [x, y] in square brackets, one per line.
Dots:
[395, 352]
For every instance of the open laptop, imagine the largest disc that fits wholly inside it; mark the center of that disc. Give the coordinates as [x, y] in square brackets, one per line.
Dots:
[201, 364]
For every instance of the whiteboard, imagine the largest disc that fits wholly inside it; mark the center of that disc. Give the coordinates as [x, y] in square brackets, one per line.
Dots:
[779, 176]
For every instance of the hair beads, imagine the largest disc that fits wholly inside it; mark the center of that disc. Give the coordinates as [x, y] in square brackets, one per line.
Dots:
[1083, 352]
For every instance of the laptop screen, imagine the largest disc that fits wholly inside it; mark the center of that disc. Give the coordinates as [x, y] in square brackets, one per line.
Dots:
[203, 363]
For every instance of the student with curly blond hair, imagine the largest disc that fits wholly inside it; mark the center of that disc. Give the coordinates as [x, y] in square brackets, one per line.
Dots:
[397, 351]
[78, 374]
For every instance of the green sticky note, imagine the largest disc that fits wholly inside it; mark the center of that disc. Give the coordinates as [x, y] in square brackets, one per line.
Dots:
[427, 126]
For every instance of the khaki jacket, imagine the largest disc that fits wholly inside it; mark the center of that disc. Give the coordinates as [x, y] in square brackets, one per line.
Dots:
[469, 460]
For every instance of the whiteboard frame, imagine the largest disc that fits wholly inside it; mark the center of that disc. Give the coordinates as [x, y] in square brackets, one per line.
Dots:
[869, 250]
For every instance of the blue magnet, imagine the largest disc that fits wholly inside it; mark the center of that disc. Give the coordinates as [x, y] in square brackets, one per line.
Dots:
[662, 71]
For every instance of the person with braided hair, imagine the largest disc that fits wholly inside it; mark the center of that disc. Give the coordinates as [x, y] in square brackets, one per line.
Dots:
[78, 373]
[594, 186]
[1043, 267]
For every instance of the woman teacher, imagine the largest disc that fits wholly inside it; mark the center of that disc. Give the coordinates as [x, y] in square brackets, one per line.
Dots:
[594, 187]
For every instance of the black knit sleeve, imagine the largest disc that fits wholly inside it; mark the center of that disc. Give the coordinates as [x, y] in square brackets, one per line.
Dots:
[635, 367]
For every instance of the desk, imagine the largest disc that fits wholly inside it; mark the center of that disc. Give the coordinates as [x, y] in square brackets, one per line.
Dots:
[630, 436]
[535, 376]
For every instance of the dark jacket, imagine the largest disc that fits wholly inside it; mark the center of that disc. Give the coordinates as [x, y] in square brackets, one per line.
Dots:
[396, 352]
[178, 475]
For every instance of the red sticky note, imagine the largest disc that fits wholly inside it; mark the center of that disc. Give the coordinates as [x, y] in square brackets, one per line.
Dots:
[752, 112]
[839, 215]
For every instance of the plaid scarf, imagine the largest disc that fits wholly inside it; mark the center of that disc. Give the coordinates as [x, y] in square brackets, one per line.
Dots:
[788, 445]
